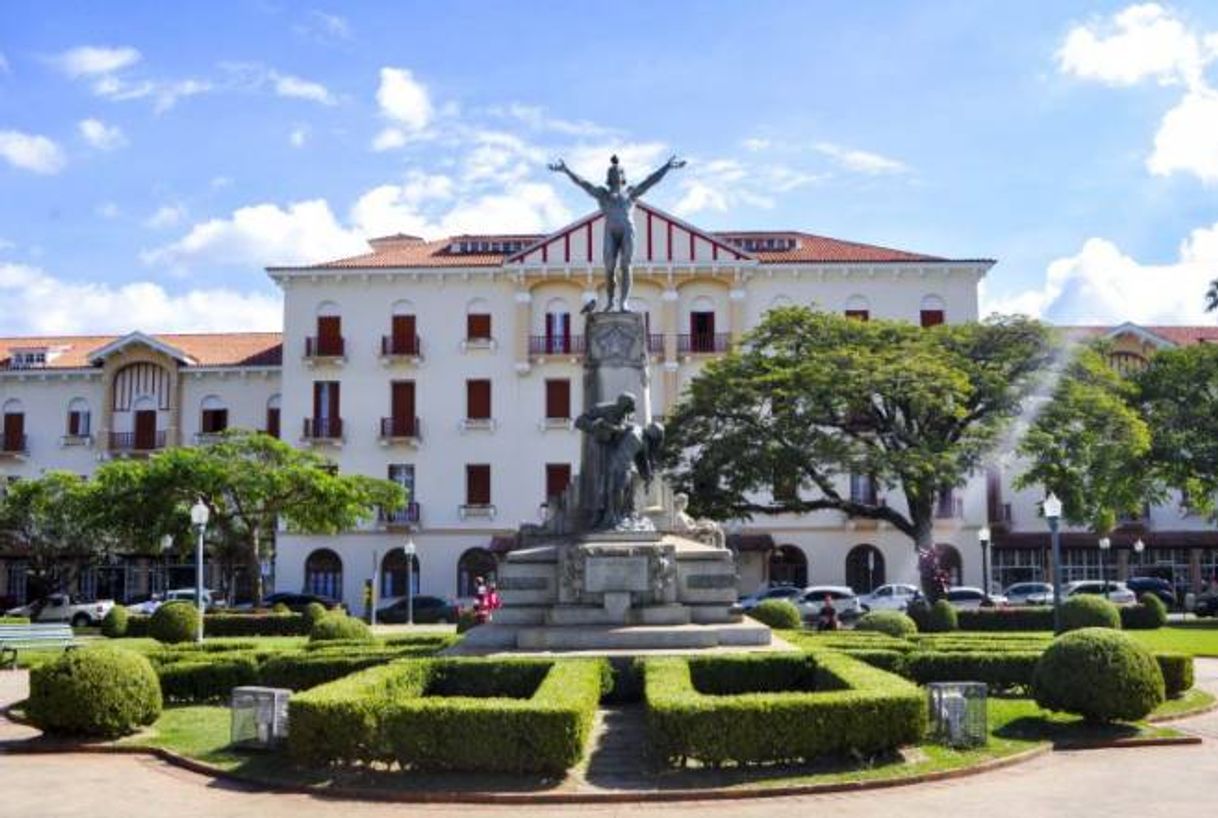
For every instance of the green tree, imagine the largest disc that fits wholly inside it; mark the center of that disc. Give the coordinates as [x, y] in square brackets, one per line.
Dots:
[811, 398]
[1178, 396]
[48, 520]
[1089, 445]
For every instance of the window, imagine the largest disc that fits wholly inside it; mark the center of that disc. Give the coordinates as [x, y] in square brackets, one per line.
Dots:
[324, 574]
[932, 312]
[478, 326]
[78, 418]
[786, 485]
[478, 400]
[558, 399]
[558, 329]
[862, 489]
[858, 308]
[478, 484]
[932, 318]
[859, 315]
[327, 421]
[474, 565]
[558, 476]
[214, 417]
[14, 427]
[272, 416]
[401, 409]
[329, 335]
[702, 331]
[30, 359]
[394, 571]
[405, 339]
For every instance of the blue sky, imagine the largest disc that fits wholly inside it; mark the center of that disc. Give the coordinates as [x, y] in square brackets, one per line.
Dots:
[153, 163]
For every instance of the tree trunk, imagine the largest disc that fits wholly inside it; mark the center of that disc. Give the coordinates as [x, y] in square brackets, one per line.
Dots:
[256, 566]
[921, 514]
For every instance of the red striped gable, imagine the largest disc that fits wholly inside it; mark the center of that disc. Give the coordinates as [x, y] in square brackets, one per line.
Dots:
[660, 238]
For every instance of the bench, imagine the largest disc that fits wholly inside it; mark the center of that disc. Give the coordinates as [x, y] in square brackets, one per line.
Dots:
[14, 637]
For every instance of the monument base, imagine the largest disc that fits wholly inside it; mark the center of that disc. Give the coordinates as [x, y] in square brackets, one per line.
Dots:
[497, 637]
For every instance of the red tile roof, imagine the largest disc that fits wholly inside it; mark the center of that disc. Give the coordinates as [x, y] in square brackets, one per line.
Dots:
[208, 349]
[813, 248]
[1181, 334]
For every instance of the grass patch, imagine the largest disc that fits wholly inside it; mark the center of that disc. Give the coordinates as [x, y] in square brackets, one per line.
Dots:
[1193, 701]
[1195, 639]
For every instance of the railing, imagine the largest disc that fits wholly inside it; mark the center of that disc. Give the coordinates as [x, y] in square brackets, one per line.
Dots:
[323, 428]
[13, 444]
[396, 345]
[403, 516]
[400, 427]
[136, 442]
[655, 342]
[204, 438]
[556, 344]
[704, 342]
[324, 347]
[949, 508]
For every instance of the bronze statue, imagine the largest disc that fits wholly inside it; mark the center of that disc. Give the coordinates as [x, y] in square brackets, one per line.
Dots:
[624, 450]
[617, 204]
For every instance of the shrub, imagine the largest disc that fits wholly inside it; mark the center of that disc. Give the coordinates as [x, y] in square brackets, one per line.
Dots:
[1148, 615]
[229, 624]
[942, 618]
[1017, 618]
[282, 608]
[893, 623]
[777, 613]
[206, 678]
[313, 613]
[1000, 670]
[340, 626]
[1101, 674]
[14, 620]
[466, 620]
[856, 709]
[100, 691]
[301, 670]
[1089, 611]
[1177, 670]
[114, 625]
[174, 622]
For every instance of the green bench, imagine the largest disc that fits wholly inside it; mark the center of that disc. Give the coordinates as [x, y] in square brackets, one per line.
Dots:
[15, 637]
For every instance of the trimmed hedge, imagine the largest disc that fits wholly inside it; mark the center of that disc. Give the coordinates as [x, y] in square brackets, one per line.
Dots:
[855, 709]
[1101, 674]
[313, 612]
[174, 622]
[340, 627]
[1177, 670]
[942, 617]
[208, 678]
[100, 691]
[226, 625]
[14, 620]
[892, 661]
[893, 623]
[1089, 611]
[1149, 614]
[1020, 618]
[999, 670]
[387, 714]
[114, 624]
[777, 613]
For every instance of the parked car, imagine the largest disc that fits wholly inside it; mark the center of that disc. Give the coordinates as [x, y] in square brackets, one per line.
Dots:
[1154, 585]
[1118, 593]
[895, 597]
[845, 601]
[1206, 603]
[149, 606]
[68, 608]
[967, 598]
[427, 610]
[297, 602]
[1029, 593]
[788, 592]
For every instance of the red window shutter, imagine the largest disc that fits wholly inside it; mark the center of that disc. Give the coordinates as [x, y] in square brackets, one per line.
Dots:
[859, 315]
[478, 484]
[318, 392]
[272, 421]
[73, 423]
[478, 400]
[404, 334]
[478, 326]
[558, 476]
[329, 335]
[932, 318]
[14, 430]
[558, 399]
[402, 400]
[549, 325]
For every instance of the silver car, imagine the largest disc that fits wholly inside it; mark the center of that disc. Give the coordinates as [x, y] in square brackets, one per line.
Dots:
[1029, 593]
[1118, 593]
[893, 597]
[787, 592]
[845, 601]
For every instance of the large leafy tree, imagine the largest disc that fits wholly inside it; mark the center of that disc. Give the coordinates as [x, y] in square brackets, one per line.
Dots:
[810, 398]
[1090, 445]
[49, 520]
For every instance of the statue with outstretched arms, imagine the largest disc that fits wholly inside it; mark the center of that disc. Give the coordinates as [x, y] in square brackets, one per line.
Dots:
[616, 200]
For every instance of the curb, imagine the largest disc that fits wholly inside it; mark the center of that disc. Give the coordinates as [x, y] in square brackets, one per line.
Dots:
[1122, 743]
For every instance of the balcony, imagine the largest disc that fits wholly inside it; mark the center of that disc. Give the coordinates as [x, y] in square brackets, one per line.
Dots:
[402, 518]
[396, 348]
[207, 438]
[323, 349]
[323, 430]
[476, 510]
[76, 440]
[556, 345]
[655, 342]
[704, 343]
[13, 445]
[400, 430]
[134, 442]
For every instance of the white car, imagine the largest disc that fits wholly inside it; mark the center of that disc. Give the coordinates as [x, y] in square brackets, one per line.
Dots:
[845, 601]
[1118, 593]
[967, 598]
[65, 608]
[1029, 593]
[894, 597]
[788, 592]
[148, 607]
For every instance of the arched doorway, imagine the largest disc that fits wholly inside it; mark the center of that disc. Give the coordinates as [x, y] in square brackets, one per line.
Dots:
[788, 566]
[864, 568]
[393, 574]
[324, 574]
[474, 563]
[949, 562]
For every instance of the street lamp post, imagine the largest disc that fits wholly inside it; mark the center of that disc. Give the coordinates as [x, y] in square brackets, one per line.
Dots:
[199, 515]
[1053, 513]
[410, 551]
[1105, 544]
[983, 537]
[1138, 548]
[376, 582]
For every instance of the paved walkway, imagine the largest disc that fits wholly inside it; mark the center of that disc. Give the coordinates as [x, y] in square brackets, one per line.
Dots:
[1112, 783]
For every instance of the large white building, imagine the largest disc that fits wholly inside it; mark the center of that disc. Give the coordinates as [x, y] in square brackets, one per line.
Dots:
[454, 367]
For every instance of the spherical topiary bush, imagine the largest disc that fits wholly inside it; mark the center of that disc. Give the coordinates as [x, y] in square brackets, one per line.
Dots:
[100, 691]
[942, 617]
[1150, 615]
[1100, 674]
[777, 613]
[893, 623]
[340, 626]
[313, 613]
[114, 625]
[1089, 611]
[281, 608]
[174, 622]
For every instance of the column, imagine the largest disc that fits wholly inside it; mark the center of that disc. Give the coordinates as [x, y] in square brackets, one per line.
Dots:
[1122, 564]
[736, 327]
[669, 326]
[524, 318]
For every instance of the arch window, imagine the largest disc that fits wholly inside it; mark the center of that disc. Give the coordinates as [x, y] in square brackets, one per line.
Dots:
[788, 565]
[932, 312]
[1127, 363]
[213, 417]
[13, 439]
[558, 327]
[475, 564]
[395, 571]
[478, 321]
[865, 568]
[702, 325]
[948, 557]
[323, 574]
[329, 339]
[78, 418]
[404, 335]
[858, 308]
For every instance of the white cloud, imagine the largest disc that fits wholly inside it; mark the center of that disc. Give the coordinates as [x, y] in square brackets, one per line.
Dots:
[108, 210]
[539, 119]
[292, 87]
[92, 60]
[166, 216]
[298, 136]
[1187, 139]
[323, 27]
[263, 234]
[530, 207]
[4, 67]
[31, 152]
[755, 144]
[388, 139]
[220, 182]
[404, 99]
[1102, 285]
[41, 304]
[861, 161]
[163, 93]
[1140, 42]
[100, 135]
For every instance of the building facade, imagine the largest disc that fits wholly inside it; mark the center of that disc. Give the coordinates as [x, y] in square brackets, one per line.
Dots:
[454, 367]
